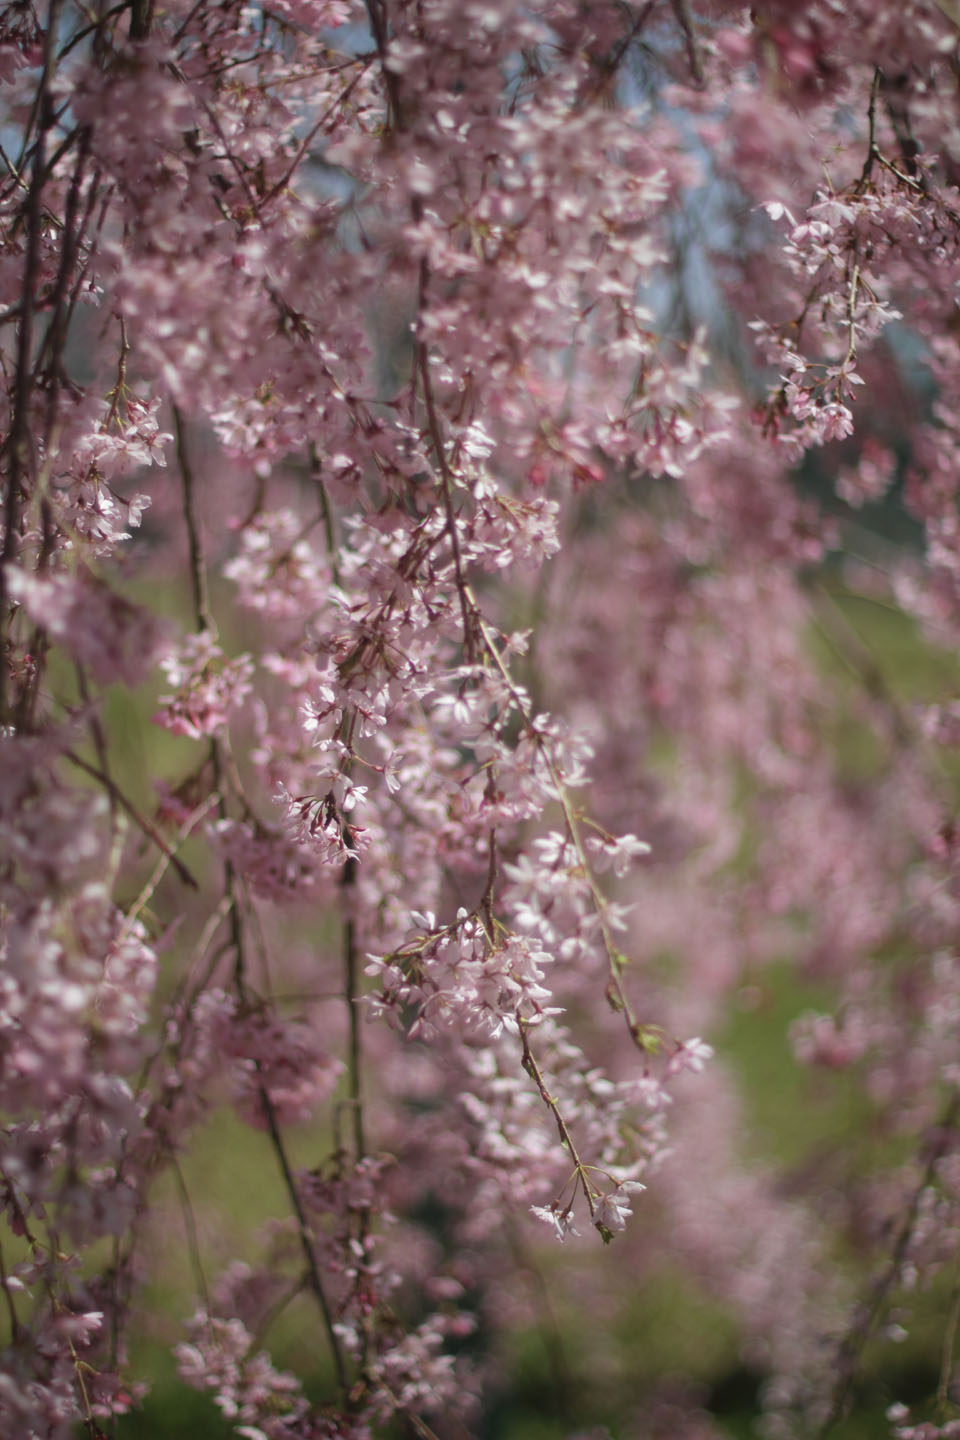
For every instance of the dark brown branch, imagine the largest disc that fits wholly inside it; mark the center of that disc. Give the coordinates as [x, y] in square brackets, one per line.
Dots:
[141, 18]
[681, 9]
[873, 152]
[198, 569]
[19, 449]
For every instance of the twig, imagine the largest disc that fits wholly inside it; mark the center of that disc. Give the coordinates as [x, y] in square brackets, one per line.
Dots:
[873, 152]
[306, 1243]
[420, 1426]
[949, 1346]
[616, 991]
[849, 647]
[851, 1349]
[681, 9]
[8, 1296]
[193, 1239]
[308, 139]
[611, 63]
[146, 894]
[351, 964]
[533, 1070]
[436, 437]
[147, 826]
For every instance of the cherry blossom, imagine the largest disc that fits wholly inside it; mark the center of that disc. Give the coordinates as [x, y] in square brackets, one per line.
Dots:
[445, 449]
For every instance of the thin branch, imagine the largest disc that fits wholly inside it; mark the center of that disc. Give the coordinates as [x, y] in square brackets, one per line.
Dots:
[529, 1064]
[310, 136]
[8, 1296]
[446, 480]
[166, 859]
[681, 9]
[844, 640]
[616, 992]
[147, 826]
[611, 63]
[306, 1243]
[873, 152]
[351, 963]
[193, 1239]
[949, 1346]
[51, 349]
[95, 25]
[205, 621]
[851, 1349]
